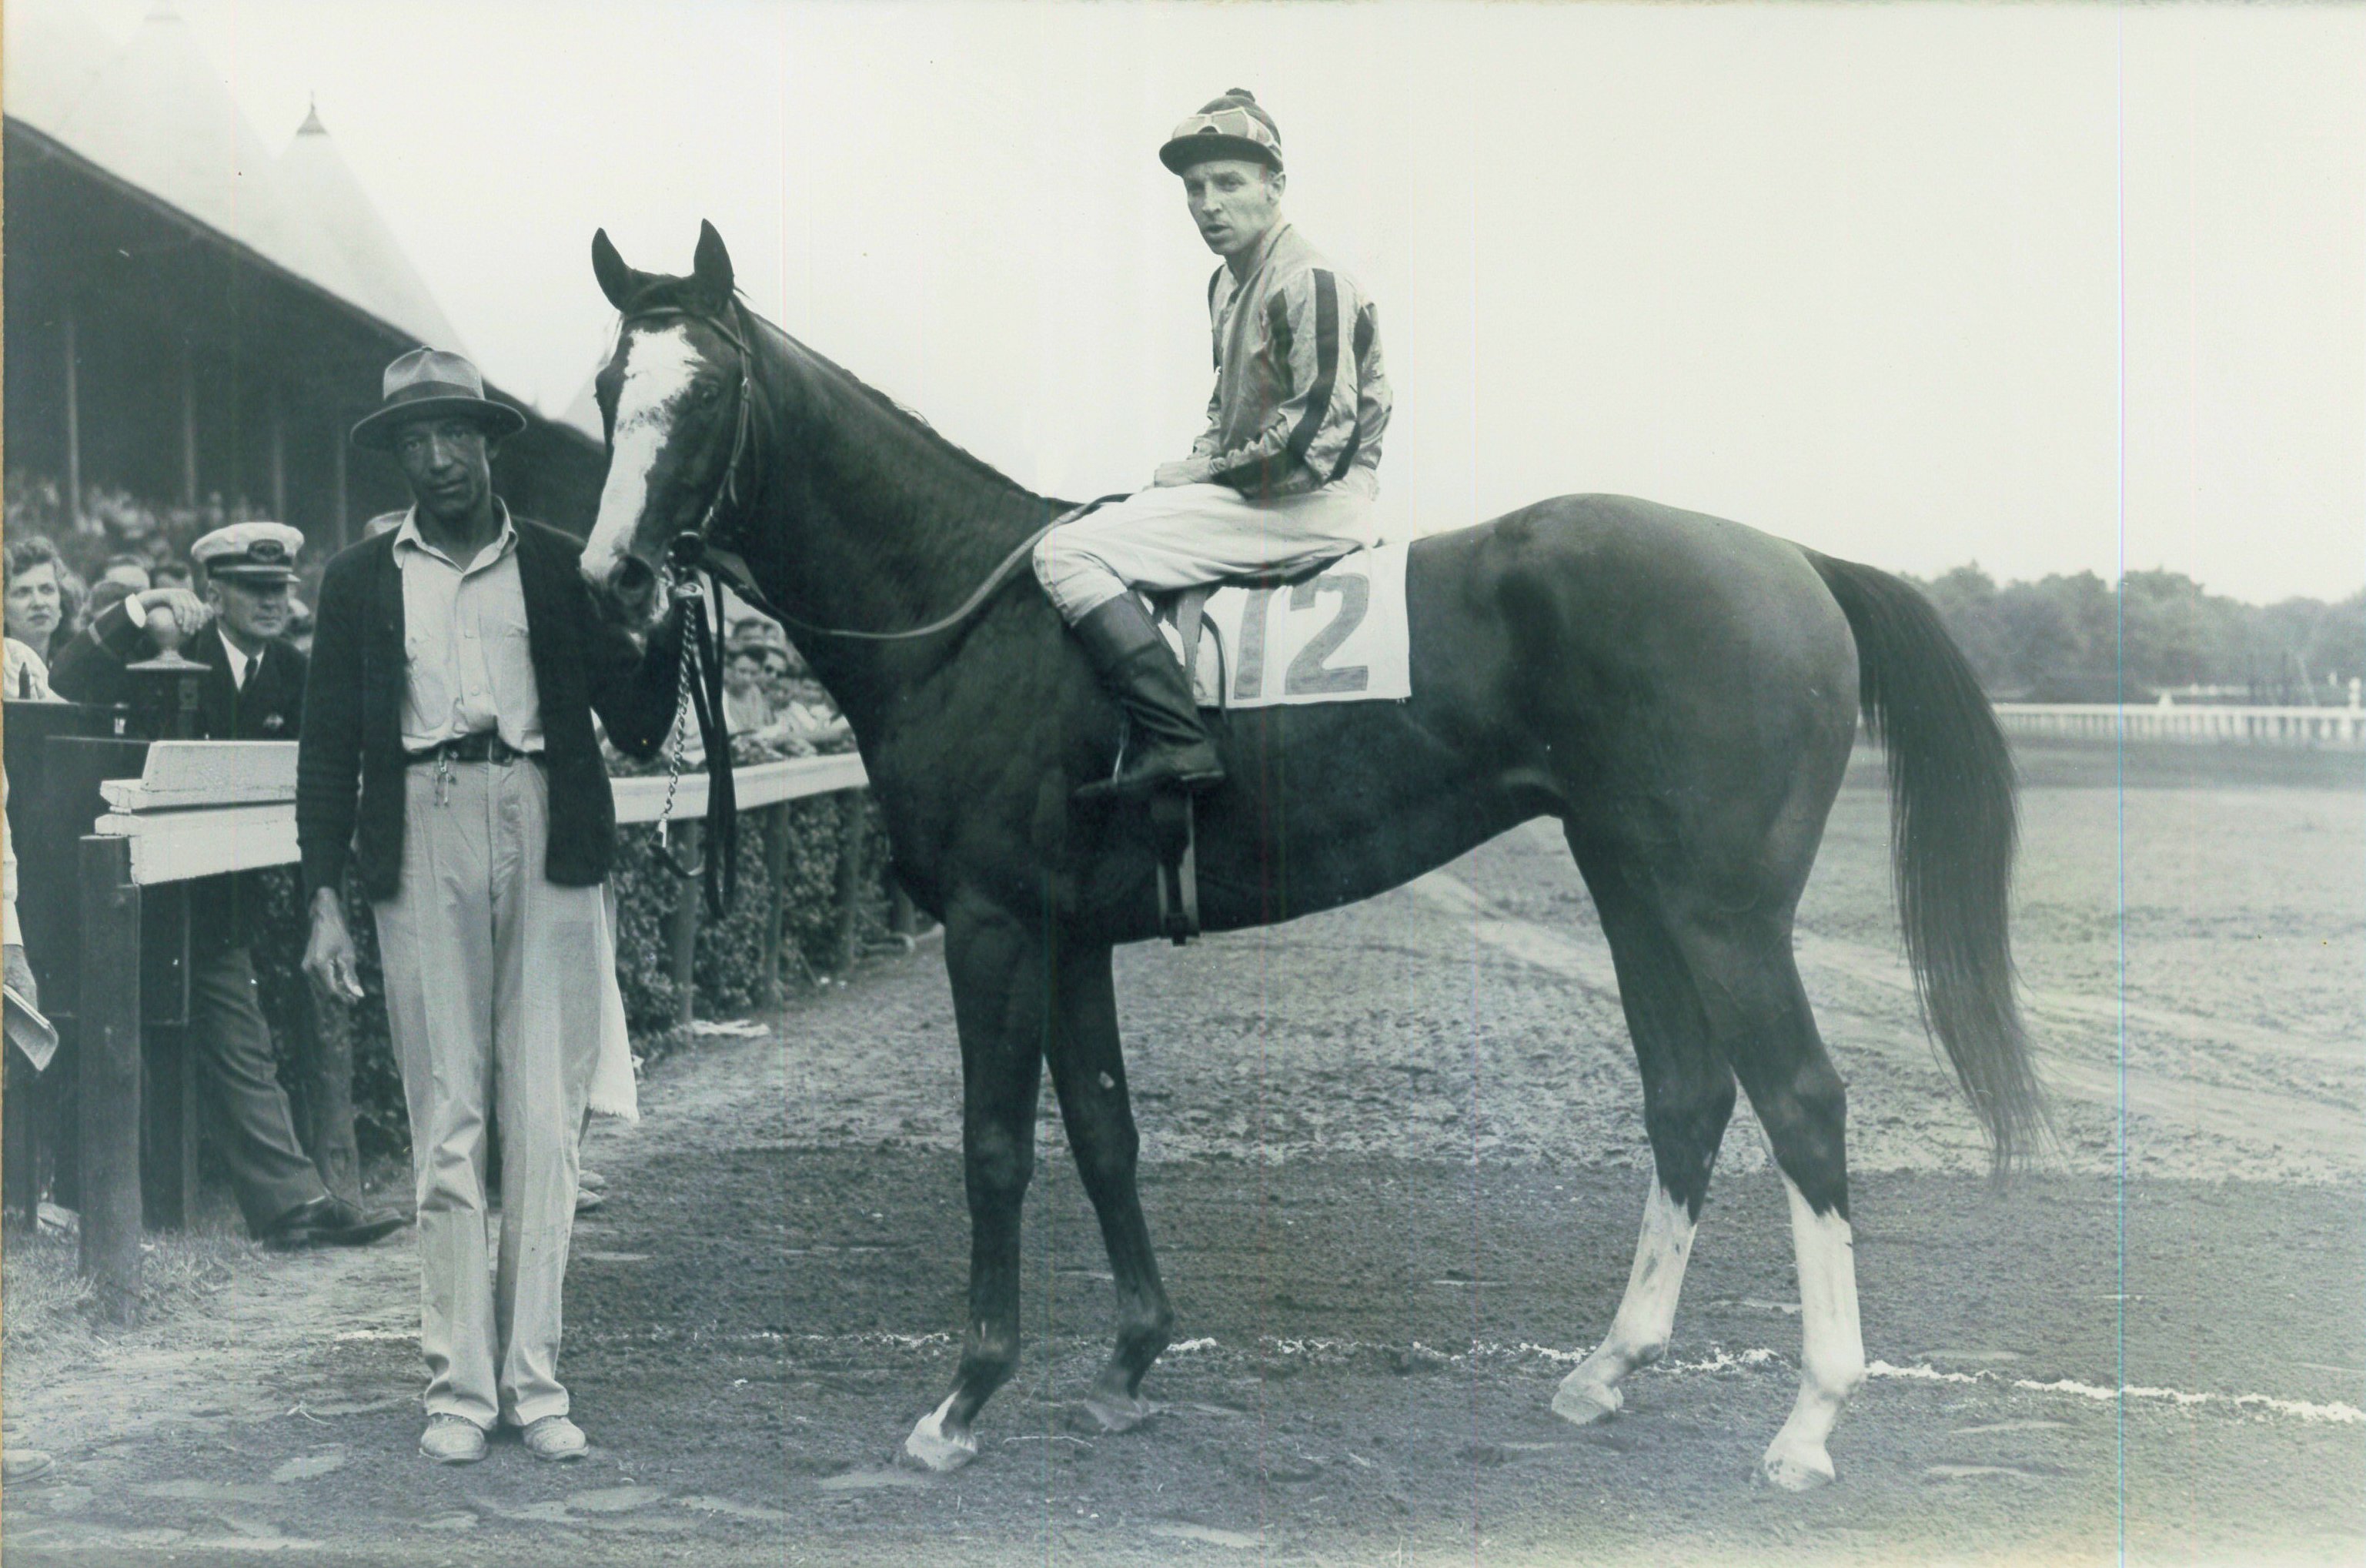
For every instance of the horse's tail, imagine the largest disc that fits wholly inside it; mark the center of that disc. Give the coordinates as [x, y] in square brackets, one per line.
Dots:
[1953, 827]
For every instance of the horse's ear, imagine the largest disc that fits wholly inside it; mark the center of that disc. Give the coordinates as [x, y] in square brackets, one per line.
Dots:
[615, 278]
[711, 267]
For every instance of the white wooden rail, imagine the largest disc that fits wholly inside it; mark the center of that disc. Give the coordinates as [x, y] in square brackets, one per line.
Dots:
[2197, 725]
[206, 806]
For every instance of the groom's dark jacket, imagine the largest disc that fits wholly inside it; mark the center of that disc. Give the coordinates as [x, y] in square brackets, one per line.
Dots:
[349, 766]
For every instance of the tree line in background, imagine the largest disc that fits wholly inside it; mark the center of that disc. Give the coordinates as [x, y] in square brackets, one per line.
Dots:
[2072, 640]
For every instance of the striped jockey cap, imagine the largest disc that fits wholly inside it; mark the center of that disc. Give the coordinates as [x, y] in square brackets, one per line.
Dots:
[1229, 126]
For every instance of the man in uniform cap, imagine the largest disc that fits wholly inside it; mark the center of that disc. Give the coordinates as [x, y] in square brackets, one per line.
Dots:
[448, 757]
[1282, 478]
[253, 690]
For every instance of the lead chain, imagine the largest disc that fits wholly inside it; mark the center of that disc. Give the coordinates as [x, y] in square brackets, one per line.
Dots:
[687, 588]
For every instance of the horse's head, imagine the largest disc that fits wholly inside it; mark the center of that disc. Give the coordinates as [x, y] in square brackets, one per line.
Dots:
[674, 397]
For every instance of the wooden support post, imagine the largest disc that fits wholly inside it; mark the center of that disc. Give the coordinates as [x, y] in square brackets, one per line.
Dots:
[278, 454]
[851, 859]
[682, 929]
[343, 523]
[188, 424]
[776, 902]
[168, 1082]
[329, 1096]
[109, 1061]
[73, 418]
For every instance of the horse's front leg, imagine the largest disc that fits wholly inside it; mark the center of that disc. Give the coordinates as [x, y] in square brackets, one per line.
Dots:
[996, 965]
[1088, 1072]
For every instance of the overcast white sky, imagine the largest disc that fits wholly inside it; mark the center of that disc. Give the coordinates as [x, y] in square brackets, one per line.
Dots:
[2050, 288]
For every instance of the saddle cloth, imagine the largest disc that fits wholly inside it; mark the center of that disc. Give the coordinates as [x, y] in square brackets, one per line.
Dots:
[1338, 636]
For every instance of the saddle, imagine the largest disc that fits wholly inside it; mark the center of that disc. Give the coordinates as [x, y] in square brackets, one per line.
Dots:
[1185, 609]
[1173, 823]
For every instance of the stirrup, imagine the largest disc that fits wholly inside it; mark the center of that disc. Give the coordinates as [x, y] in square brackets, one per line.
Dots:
[1173, 827]
[1119, 788]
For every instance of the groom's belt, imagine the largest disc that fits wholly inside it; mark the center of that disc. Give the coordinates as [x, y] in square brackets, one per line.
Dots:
[484, 746]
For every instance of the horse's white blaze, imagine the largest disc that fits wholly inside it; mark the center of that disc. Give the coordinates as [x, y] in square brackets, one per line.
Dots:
[658, 369]
[1638, 1335]
[1832, 1348]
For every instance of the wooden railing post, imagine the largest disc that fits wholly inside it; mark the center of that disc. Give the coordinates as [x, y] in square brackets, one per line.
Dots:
[849, 874]
[776, 902]
[109, 1062]
[682, 929]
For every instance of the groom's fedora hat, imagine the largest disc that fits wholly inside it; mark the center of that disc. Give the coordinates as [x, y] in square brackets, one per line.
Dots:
[428, 383]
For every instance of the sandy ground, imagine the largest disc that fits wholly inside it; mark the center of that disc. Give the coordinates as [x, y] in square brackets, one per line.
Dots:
[1395, 1163]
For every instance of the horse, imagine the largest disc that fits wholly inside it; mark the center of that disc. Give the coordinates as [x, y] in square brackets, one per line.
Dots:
[1680, 691]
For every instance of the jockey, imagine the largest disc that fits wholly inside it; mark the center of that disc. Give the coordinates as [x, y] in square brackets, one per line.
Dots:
[1282, 479]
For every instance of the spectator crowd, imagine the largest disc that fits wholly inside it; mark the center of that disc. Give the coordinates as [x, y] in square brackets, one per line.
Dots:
[86, 596]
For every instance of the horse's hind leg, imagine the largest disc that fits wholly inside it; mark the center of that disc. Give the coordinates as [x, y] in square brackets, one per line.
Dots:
[996, 965]
[1088, 1072]
[1687, 1098]
[1760, 1017]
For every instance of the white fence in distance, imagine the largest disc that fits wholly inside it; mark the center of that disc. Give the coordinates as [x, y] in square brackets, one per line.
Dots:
[201, 807]
[2326, 727]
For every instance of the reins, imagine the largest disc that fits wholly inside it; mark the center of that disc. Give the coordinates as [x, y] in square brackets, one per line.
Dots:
[693, 551]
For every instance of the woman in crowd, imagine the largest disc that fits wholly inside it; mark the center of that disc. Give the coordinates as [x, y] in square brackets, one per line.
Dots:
[44, 599]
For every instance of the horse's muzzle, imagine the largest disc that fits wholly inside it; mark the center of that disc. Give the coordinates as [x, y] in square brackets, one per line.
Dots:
[629, 596]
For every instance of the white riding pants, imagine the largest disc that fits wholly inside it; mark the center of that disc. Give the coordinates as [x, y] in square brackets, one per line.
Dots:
[1179, 535]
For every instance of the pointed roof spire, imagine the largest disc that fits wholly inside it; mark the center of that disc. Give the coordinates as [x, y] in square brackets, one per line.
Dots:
[317, 178]
[312, 126]
[160, 115]
[53, 50]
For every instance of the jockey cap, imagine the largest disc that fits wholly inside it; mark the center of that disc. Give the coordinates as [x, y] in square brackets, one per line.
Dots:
[1231, 126]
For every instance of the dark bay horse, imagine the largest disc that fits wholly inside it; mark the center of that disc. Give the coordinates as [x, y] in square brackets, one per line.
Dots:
[1680, 692]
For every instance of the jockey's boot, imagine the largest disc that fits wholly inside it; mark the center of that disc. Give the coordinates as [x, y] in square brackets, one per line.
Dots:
[1169, 748]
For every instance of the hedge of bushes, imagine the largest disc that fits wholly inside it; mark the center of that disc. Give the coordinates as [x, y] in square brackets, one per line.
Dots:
[729, 959]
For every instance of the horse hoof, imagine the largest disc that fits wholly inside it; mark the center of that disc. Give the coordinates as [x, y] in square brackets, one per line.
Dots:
[1122, 1413]
[1796, 1472]
[1584, 1404]
[931, 1449]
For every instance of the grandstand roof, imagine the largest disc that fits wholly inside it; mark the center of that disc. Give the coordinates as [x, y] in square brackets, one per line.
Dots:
[154, 113]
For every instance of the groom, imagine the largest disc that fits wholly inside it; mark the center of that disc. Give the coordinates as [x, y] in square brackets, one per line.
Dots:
[447, 749]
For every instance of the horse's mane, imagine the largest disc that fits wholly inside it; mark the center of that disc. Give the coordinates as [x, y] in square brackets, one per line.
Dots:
[909, 418]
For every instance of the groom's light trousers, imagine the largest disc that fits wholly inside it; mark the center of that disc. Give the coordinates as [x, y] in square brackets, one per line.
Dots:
[493, 991]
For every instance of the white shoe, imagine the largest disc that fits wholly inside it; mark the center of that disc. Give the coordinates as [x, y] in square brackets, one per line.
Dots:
[452, 1440]
[556, 1437]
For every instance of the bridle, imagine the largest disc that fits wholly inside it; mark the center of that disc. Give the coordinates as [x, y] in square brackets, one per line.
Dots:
[701, 687]
[689, 550]
[693, 549]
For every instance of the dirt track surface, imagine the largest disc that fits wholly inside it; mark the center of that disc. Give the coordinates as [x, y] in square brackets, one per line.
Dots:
[1395, 1166]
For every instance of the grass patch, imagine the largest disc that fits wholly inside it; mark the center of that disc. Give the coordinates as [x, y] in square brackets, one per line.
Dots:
[45, 1303]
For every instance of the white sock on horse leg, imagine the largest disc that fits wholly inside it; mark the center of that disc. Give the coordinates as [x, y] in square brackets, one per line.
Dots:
[1831, 1346]
[1638, 1335]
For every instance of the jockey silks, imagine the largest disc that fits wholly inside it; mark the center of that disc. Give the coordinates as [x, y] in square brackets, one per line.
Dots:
[1300, 398]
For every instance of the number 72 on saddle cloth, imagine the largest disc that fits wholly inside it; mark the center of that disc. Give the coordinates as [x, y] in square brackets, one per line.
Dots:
[1337, 638]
